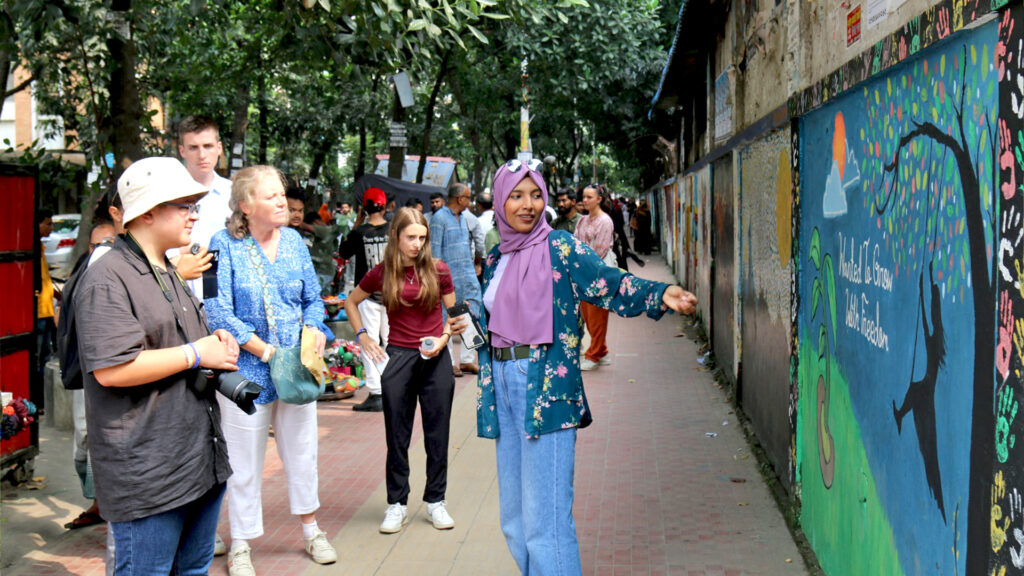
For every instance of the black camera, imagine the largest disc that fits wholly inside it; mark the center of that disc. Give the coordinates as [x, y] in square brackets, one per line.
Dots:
[236, 388]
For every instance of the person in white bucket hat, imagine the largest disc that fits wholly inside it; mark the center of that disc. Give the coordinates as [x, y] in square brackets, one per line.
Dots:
[158, 454]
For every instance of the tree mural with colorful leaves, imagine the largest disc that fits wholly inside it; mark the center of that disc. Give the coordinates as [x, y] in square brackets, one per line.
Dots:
[928, 158]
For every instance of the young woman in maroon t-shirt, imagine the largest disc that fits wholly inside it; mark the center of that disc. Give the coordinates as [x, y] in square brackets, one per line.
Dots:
[414, 286]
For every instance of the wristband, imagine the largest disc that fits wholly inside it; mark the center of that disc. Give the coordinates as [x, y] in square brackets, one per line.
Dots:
[196, 365]
[266, 354]
[360, 333]
[188, 358]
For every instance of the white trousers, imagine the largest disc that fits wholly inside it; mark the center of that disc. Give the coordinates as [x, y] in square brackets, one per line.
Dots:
[80, 449]
[375, 320]
[295, 432]
[459, 353]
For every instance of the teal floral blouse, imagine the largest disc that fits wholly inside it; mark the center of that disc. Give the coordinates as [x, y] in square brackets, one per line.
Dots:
[555, 398]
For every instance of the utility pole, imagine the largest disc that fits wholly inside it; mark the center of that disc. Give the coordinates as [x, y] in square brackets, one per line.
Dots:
[525, 149]
[398, 141]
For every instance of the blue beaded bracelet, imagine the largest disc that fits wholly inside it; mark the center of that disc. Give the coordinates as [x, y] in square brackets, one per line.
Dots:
[196, 352]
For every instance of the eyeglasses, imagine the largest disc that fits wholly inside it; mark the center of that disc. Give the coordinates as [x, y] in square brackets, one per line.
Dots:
[514, 166]
[193, 208]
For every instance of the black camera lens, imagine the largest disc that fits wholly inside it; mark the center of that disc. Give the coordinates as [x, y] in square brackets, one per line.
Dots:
[239, 390]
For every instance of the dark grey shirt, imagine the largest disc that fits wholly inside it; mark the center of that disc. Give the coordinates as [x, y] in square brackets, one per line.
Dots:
[156, 446]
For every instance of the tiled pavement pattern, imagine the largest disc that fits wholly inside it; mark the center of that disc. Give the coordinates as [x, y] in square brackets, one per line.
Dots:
[654, 494]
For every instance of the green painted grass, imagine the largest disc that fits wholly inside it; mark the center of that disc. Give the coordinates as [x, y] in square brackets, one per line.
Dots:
[846, 525]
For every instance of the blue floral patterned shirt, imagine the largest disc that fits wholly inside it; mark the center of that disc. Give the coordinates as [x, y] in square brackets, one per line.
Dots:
[554, 392]
[238, 307]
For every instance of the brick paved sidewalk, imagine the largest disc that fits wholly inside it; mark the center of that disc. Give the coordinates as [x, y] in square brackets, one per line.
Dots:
[654, 494]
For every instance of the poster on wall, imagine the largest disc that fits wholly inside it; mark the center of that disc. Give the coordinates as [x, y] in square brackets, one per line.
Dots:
[723, 106]
[897, 324]
[853, 26]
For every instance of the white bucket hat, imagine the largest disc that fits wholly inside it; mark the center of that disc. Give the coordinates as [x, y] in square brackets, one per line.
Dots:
[153, 181]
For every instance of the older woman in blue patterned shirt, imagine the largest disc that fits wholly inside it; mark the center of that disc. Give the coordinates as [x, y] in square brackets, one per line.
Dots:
[531, 388]
[256, 247]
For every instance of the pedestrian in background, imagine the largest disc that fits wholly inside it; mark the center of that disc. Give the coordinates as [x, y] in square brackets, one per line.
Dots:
[46, 328]
[418, 368]
[267, 291]
[531, 389]
[453, 239]
[596, 230]
[366, 244]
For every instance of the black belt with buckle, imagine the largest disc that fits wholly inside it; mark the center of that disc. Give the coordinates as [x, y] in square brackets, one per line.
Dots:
[511, 353]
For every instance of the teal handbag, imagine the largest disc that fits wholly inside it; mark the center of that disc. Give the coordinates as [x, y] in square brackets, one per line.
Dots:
[295, 384]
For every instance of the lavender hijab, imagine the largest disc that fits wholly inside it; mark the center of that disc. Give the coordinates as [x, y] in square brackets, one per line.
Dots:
[523, 305]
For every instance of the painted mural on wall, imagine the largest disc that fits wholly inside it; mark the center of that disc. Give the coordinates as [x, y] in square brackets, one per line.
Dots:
[765, 276]
[934, 25]
[1006, 536]
[897, 317]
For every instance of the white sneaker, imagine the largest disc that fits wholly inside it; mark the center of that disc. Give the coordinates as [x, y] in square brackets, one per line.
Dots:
[394, 519]
[320, 549]
[240, 562]
[587, 364]
[219, 549]
[605, 360]
[439, 516]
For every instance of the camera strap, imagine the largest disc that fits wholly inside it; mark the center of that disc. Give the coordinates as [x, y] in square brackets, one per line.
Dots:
[136, 249]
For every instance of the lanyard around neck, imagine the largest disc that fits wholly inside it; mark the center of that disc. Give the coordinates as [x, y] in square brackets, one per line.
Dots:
[136, 249]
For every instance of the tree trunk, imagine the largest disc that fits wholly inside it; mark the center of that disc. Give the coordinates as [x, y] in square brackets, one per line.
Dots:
[126, 111]
[236, 157]
[429, 122]
[6, 54]
[318, 162]
[261, 94]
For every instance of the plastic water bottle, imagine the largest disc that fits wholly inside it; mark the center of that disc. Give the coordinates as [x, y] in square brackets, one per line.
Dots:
[427, 345]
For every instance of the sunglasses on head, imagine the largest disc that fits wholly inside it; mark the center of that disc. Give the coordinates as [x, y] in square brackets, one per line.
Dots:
[514, 166]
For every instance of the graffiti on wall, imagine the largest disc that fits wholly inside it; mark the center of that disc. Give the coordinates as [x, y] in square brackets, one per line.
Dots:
[702, 237]
[919, 33]
[1006, 505]
[897, 317]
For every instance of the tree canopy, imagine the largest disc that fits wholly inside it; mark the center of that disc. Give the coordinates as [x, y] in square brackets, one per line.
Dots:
[295, 82]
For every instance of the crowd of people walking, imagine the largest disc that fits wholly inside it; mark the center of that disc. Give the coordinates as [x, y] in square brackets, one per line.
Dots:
[198, 278]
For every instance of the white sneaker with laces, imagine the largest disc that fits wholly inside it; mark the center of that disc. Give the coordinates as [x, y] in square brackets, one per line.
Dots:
[587, 364]
[320, 549]
[439, 515]
[219, 549]
[395, 517]
[605, 360]
[240, 562]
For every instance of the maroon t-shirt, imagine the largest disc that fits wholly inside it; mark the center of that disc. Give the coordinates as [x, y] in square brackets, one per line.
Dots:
[410, 323]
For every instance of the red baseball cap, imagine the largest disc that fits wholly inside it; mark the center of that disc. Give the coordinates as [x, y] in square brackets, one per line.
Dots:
[375, 195]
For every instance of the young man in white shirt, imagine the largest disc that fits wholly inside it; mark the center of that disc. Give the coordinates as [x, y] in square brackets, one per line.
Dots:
[200, 148]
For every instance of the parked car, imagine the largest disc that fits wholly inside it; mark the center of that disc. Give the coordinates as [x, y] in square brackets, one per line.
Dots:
[61, 242]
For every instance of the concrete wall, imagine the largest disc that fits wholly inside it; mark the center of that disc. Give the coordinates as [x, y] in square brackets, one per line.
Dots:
[765, 269]
[896, 322]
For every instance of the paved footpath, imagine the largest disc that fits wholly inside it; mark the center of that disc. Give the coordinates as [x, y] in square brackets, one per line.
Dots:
[654, 494]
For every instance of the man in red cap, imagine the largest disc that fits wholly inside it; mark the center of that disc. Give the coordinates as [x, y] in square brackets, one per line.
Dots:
[366, 243]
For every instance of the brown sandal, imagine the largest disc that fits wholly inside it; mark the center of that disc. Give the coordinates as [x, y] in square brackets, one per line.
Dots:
[85, 519]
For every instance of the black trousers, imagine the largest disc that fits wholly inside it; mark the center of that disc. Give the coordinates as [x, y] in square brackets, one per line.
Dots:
[409, 378]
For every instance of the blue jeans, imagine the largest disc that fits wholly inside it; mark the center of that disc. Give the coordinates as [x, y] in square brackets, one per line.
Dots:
[535, 482]
[176, 542]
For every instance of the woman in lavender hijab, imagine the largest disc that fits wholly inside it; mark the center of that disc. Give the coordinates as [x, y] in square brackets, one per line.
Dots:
[531, 388]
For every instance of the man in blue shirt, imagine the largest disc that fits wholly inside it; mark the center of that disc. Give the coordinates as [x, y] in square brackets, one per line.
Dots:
[450, 241]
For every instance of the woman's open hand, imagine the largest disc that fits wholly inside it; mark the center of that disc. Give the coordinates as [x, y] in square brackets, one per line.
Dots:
[679, 300]
[371, 348]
